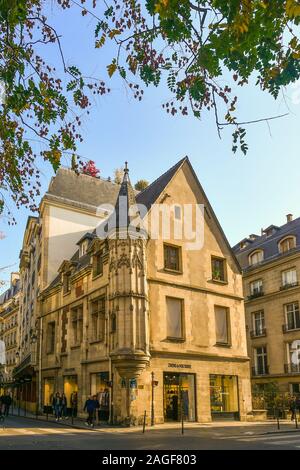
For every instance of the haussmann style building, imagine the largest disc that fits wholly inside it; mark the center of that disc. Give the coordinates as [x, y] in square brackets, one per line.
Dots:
[271, 272]
[144, 322]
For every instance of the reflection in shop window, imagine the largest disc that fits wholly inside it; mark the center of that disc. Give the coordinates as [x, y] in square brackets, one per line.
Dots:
[48, 391]
[70, 387]
[179, 396]
[224, 394]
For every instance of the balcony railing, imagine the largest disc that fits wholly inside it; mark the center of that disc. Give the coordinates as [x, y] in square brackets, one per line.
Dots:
[289, 285]
[257, 372]
[292, 368]
[288, 328]
[258, 333]
[256, 295]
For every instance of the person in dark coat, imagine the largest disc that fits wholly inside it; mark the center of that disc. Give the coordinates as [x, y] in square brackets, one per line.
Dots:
[57, 405]
[91, 406]
[7, 404]
[293, 408]
[64, 406]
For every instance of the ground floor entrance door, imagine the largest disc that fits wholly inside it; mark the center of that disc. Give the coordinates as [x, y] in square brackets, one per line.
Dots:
[179, 397]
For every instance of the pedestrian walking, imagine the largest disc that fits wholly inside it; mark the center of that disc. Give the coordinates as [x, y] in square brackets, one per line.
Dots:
[74, 403]
[64, 407]
[57, 405]
[7, 404]
[90, 406]
[293, 408]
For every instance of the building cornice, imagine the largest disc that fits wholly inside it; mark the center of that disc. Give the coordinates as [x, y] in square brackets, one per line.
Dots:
[194, 288]
[199, 356]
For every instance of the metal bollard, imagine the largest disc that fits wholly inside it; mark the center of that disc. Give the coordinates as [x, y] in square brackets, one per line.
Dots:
[144, 422]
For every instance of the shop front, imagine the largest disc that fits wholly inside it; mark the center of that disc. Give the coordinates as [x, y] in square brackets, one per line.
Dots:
[49, 383]
[224, 399]
[71, 392]
[100, 387]
[179, 396]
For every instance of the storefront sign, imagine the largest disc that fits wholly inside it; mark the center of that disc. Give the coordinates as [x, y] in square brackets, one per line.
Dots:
[179, 366]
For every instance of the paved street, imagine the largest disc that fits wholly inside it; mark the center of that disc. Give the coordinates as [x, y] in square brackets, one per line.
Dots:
[21, 433]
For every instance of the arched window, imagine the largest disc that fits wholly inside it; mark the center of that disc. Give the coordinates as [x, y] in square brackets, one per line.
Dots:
[256, 257]
[287, 244]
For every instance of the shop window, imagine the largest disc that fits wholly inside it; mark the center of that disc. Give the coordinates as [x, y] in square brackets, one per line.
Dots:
[224, 395]
[172, 257]
[222, 325]
[48, 391]
[174, 318]
[98, 319]
[70, 388]
[218, 268]
[179, 397]
[77, 325]
[99, 387]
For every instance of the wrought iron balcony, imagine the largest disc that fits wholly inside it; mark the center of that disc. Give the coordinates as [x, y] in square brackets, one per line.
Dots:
[256, 294]
[258, 371]
[259, 333]
[289, 328]
[292, 368]
[289, 285]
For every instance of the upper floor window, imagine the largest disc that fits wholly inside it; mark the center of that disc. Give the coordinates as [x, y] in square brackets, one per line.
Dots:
[98, 263]
[50, 337]
[174, 318]
[289, 278]
[218, 268]
[83, 247]
[261, 361]
[287, 244]
[98, 319]
[256, 257]
[77, 325]
[66, 283]
[292, 315]
[258, 319]
[172, 257]
[177, 212]
[222, 325]
[256, 288]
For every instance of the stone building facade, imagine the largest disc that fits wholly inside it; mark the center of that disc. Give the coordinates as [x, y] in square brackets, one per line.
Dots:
[9, 333]
[271, 272]
[143, 322]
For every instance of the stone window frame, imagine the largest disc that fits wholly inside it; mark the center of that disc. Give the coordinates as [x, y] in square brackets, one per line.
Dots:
[179, 251]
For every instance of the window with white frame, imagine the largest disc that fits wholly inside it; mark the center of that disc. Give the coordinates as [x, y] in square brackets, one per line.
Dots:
[174, 318]
[222, 325]
[256, 257]
[258, 319]
[256, 287]
[293, 356]
[289, 278]
[292, 316]
[261, 360]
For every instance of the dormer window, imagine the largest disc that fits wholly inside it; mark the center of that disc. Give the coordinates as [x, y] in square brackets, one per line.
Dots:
[83, 248]
[256, 257]
[287, 244]
[67, 283]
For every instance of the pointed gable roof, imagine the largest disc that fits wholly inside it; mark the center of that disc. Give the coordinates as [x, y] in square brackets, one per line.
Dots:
[148, 196]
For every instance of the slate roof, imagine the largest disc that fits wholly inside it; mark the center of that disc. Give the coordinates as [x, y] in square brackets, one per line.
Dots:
[269, 244]
[148, 196]
[11, 292]
[82, 189]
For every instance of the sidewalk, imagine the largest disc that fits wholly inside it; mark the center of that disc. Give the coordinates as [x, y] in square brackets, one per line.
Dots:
[227, 427]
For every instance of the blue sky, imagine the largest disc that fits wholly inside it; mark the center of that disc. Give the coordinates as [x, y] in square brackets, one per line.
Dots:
[247, 193]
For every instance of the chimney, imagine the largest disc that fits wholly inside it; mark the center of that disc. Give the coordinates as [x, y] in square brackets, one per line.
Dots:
[289, 218]
[14, 277]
